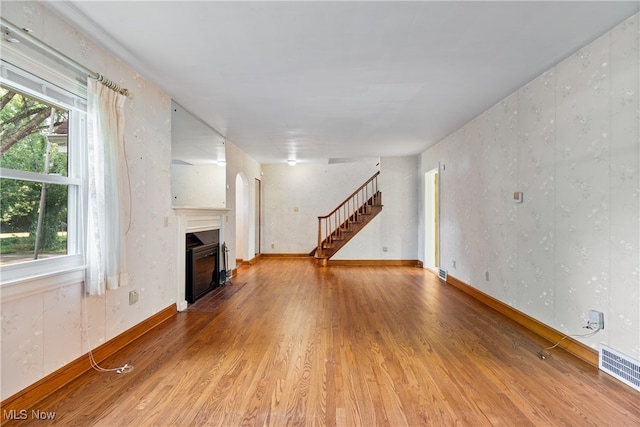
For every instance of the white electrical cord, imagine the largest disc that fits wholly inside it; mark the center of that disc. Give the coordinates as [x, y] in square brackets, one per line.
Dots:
[124, 369]
[542, 355]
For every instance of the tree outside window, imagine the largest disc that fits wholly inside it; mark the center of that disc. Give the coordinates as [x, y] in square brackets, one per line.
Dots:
[33, 206]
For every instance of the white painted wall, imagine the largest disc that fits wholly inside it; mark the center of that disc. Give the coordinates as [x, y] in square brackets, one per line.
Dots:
[570, 140]
[238, 162]
[312, 189]
[202, 186]
[242, 217]
[43, 330]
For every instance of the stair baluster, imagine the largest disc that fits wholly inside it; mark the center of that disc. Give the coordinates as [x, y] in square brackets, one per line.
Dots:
[339, 226]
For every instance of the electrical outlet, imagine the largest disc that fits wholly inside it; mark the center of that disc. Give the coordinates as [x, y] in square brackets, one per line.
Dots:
[385, 249]
[133, 297]
[596, 320]
[486, 276]
[273, 245]
[453, 263]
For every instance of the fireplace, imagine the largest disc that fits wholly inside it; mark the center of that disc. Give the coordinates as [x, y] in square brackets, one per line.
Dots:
[202, 264]
[191, 220]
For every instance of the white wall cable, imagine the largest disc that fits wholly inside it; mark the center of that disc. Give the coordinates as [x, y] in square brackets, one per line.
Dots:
[124, 369]
[542, 355]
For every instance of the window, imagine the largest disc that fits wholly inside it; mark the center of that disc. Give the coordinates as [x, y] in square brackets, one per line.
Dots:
[41, 168]
[33, 211]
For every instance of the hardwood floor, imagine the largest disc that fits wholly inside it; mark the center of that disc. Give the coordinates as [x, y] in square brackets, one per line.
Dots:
[347, 346]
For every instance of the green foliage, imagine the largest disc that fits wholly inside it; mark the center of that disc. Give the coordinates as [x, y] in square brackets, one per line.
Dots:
[18, 204]
[15, 244]
[22, 116]
[25, 245]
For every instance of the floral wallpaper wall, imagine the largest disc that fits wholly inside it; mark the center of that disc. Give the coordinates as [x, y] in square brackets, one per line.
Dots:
[43, 331]
[570, 141]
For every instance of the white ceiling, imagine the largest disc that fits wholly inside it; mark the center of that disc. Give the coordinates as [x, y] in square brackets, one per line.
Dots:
[322, 80]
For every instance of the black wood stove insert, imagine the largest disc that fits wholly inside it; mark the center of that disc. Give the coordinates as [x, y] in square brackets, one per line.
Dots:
[202, 266]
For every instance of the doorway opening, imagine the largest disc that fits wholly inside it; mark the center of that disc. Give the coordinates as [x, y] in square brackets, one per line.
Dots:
[431, 219]
[242, 219]
[258, 217]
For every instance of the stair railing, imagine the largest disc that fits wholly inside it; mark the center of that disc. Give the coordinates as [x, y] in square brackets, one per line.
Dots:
[331, 227]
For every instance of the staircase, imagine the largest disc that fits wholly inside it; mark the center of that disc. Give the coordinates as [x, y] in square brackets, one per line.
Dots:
[345, 221]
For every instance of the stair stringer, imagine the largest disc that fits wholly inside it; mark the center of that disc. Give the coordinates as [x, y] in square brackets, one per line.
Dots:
[336, 245]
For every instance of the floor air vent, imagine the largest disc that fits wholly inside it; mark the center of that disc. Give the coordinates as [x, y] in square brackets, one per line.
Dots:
[620, 366]
[442, 273]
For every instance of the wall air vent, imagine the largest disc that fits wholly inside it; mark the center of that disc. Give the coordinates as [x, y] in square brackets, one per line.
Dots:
[620, 366]
[442, 273]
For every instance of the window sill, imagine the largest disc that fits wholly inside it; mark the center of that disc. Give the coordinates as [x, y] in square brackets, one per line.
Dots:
[38, 283]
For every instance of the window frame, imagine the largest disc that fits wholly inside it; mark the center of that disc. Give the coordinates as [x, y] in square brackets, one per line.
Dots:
[37, 275]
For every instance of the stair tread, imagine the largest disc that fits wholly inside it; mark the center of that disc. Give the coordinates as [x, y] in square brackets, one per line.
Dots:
[351, 226]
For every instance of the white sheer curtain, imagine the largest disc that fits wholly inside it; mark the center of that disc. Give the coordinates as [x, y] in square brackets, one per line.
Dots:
[105, 235]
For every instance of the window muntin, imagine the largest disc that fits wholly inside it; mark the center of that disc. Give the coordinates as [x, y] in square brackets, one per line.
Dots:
[28, 126]
[47, 155]
[19, 213]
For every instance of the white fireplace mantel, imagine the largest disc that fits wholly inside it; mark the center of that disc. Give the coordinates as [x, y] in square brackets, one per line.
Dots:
[190, 220]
